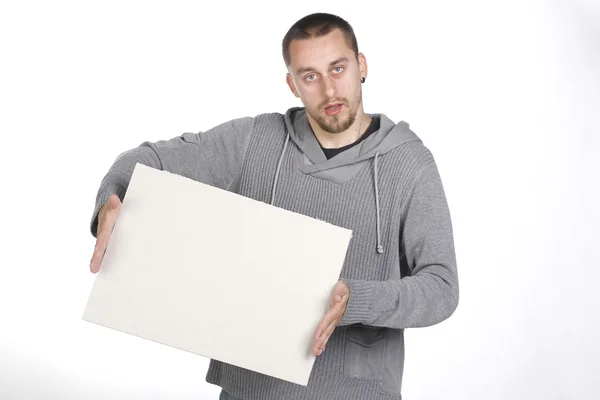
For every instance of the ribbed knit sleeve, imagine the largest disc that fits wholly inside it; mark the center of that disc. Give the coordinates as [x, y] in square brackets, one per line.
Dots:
[430, 294]
[214, 157]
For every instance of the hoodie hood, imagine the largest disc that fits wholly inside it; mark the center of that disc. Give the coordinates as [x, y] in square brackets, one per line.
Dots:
[344, 165]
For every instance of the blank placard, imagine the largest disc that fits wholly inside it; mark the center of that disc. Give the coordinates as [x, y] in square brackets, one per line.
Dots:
[217, 274]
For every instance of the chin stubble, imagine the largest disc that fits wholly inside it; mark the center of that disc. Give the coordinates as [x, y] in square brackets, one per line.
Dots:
[332, 127]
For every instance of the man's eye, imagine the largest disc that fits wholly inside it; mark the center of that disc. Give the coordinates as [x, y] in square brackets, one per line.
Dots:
[308, 77]
[340, 69]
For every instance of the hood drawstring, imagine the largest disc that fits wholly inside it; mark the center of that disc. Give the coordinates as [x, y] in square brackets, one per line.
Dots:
[379, 245]
[375, 179]
[287, 139]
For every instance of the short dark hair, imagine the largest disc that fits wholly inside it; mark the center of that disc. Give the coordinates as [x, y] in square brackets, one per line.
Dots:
[317, 25]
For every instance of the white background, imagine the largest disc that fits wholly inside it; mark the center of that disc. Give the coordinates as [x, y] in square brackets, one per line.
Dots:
[503, 93]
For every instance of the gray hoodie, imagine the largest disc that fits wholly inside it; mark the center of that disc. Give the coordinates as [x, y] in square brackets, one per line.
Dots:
[346, 164]
[400, 265]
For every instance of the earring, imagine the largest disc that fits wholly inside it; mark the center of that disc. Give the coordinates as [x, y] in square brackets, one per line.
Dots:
[362, 80]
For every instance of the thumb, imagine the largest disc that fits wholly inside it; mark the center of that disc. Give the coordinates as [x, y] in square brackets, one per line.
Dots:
[341, 291]
[114, 201]
[337, 296]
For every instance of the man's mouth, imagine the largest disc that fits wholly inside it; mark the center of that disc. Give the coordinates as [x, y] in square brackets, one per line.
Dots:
[333, 109]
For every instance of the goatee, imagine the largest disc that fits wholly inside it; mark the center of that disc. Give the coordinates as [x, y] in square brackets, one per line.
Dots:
[335, 124]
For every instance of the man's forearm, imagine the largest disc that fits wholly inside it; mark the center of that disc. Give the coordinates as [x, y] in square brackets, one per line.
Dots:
[430, 294]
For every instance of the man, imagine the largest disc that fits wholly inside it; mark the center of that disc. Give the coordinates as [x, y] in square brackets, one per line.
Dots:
[328, 160]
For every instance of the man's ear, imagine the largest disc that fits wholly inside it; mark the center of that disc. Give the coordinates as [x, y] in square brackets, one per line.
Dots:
[362, 65]
[290, 82]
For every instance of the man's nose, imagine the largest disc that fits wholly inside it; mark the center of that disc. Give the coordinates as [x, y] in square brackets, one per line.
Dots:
[329, 87]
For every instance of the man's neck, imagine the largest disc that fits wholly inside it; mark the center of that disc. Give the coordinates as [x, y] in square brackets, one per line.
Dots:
[349, 136]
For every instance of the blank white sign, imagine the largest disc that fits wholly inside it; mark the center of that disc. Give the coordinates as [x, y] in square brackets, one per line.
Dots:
[218, 274]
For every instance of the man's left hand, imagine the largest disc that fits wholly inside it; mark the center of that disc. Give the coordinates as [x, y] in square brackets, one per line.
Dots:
[337, 308]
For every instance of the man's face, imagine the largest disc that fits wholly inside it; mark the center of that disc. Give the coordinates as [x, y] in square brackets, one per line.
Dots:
[325, 74]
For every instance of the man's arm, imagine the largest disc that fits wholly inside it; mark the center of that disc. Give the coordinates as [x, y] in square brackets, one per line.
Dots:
[214, 157]
[430, 294]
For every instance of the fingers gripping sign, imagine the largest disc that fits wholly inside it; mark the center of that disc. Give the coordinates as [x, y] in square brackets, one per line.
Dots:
[337, 308]
[107, 216]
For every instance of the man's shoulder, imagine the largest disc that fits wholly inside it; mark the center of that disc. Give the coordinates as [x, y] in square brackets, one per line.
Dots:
[273, 116]
[269, 124]
[413, 154]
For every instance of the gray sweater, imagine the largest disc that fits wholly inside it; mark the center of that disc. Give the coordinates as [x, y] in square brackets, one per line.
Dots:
[400, 265]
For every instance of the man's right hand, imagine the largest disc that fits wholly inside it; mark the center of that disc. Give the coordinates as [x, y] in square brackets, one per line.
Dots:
[107, 216]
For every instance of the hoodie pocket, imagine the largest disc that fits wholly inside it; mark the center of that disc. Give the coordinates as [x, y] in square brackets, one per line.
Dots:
[364, 356]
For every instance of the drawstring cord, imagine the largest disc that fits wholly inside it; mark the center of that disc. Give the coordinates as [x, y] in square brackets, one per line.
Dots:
[379, 245]
[287, 139]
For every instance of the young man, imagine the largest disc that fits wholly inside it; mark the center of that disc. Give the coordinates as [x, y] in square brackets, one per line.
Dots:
[328, 160]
